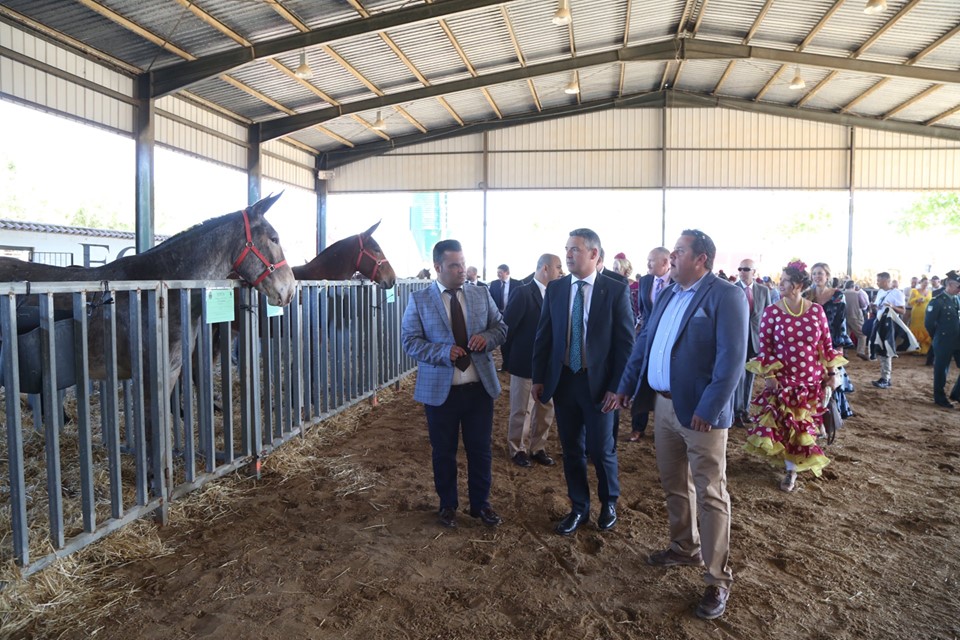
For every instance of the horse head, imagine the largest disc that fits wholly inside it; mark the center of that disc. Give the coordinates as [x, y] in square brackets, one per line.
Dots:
[371, 262]
[260, 260]
[339, 261]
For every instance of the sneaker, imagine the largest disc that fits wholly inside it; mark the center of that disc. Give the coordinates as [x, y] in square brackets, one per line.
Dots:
[670, 558]
[713, 603]
[882, 384]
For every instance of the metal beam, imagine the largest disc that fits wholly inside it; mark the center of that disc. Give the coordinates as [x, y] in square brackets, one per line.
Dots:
[657, 51]
[176, 77]
[651, 100]
[338, 158]
[670, 50]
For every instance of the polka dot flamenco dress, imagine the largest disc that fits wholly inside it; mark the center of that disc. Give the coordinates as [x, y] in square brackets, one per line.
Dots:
[796, 350]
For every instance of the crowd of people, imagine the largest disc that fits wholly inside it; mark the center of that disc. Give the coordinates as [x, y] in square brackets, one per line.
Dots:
[680, 343]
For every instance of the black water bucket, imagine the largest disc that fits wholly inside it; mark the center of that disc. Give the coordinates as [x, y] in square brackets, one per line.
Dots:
[29, 351]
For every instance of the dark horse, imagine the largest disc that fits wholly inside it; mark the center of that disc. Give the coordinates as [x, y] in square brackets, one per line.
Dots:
[339, 261]
[242, 242]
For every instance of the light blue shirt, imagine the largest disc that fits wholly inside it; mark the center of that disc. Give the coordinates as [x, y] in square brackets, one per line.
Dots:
[658, 371]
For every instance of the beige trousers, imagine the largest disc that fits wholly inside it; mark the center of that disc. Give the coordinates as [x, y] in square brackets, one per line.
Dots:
[529, 420]
[693, 473]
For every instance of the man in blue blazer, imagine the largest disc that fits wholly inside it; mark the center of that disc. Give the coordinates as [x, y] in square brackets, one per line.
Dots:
[583, 339]
[450, 330]
[685, 366]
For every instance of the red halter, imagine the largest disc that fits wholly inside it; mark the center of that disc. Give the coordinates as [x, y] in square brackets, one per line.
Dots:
[247, 248]
[369, 254]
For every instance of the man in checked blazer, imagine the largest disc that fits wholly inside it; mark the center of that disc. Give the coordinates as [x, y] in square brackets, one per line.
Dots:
[578, 363]
[456, 378]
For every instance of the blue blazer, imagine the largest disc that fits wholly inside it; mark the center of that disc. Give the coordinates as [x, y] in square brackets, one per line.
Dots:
[609, 336]
[707, 358]
[428, 337]
[522, 316]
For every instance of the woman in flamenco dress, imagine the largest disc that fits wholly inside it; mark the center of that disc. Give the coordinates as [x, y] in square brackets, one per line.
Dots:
[798, 363]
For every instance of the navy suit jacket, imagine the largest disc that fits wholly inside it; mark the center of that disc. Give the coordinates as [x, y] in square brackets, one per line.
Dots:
[496, 292]
[609, 336]
[521, 317]
[707, 357]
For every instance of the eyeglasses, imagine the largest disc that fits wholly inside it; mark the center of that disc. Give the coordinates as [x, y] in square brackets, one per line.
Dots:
[745, 269]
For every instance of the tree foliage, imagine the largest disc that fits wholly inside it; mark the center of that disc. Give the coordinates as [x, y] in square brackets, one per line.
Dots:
[938, 212]
[806, 223]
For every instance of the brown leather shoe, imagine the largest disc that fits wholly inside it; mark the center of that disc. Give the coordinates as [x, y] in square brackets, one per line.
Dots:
[447, 517]
[713, 603]
[670, 558]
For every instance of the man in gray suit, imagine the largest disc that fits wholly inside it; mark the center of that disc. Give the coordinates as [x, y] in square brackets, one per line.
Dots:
[758, 299]
[456, 378]
[685, 366]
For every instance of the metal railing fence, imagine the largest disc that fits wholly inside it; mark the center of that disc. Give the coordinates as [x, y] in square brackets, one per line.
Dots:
[103, 357]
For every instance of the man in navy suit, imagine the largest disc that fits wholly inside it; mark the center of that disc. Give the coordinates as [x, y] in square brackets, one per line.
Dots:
[529, 421]
[450, 330]
[501, 287]
[649, 289]
[583, 341]
[685, 366]
[500, 291]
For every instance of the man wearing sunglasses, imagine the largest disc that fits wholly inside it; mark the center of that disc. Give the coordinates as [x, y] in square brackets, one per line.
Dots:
[758, 299]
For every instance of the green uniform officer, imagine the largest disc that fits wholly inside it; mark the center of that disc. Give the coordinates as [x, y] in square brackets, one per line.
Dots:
[943, 323]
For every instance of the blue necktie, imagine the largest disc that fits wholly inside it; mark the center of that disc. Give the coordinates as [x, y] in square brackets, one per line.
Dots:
[576, 329]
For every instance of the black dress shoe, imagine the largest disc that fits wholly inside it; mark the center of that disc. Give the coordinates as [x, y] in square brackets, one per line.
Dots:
[955, 398]
[943, 402]
[570, 523]
[487, 515]
[608, 517]
[520, 459]
[541, 457]
[447, 517]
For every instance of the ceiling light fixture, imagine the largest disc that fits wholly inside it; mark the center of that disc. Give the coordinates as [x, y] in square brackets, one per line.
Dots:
[304, 72]
[563, 17]
[874, 7]
[573, 88]
[378, 124]
[797, 82]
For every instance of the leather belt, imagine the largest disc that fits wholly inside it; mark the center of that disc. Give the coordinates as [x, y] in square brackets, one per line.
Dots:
[666, 394]
[466, 386]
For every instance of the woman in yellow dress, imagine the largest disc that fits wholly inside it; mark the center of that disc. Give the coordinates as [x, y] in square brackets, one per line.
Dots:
[919, 297]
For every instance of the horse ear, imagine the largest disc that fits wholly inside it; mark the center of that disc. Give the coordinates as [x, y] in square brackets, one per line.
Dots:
[369, 232]
[261, 207]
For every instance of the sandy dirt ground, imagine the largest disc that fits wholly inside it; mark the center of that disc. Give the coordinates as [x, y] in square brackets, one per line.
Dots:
[345, 545]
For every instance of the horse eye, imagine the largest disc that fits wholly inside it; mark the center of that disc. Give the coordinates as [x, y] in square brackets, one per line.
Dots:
[275, 239]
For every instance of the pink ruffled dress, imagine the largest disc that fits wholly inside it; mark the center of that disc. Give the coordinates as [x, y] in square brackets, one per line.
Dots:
[796, 350]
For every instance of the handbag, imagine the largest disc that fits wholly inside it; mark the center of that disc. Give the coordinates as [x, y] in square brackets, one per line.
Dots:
[831, 418]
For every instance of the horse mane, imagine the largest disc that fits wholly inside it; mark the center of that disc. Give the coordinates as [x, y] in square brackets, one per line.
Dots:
[191, 230]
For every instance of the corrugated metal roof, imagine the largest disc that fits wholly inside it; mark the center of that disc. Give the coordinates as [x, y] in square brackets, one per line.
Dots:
[41, 227]
[484, 35]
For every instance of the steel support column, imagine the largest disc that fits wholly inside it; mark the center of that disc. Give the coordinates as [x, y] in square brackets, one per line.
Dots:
[320, 186]
[144, 135]
[484, 185]
[254, 171]
[851, 165]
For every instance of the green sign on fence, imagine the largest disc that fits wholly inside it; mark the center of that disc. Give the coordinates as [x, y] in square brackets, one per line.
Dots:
[274, 311]
[219, 305]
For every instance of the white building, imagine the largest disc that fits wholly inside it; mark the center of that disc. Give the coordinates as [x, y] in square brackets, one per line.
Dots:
[64, 246]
